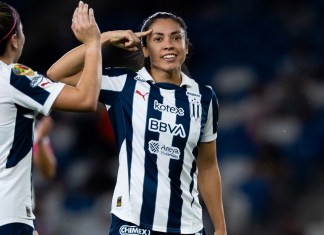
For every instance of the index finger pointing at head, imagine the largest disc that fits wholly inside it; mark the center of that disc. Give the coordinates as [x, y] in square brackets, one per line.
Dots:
[143, 34]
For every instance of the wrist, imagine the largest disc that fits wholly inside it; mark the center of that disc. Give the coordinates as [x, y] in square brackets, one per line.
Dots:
[105, 38]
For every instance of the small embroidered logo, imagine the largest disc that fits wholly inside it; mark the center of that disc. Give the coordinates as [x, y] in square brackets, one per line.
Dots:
[119, 201]
[139, 93]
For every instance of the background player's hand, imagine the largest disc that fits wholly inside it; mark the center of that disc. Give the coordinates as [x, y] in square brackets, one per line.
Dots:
[44, 127]
[125, 39]
[84, 25]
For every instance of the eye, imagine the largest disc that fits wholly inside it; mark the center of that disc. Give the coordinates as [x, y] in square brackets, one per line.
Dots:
[157, 39]
[177, 37]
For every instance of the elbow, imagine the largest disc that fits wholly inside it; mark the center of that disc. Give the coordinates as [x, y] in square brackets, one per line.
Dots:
[49, 73]
[90, 105]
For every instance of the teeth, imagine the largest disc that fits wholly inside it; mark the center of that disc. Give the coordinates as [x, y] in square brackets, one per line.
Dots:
[168, 56]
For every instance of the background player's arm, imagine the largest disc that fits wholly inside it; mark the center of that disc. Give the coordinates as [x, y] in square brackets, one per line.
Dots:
[43, 156]
[69, 67]
[84, 96]
[209, 182]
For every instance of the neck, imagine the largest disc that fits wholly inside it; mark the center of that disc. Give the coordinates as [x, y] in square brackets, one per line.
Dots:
[7, 59]
[173, 77]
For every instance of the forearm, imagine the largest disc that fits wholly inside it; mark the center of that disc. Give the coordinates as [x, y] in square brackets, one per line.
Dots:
[44, 158]
[211, 192]
[92, 70]
[68, 65]
[84, 96]
[72, 63]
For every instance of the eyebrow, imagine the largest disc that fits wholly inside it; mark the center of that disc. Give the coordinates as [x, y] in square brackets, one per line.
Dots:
[161, 34]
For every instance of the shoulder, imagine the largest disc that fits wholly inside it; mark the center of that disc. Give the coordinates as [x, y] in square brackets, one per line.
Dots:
[202, 90]
[23, 77]
[22, 70]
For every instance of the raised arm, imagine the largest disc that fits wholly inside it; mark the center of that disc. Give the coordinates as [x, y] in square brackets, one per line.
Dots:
[84, 97]
[209, 182]
[69, 67]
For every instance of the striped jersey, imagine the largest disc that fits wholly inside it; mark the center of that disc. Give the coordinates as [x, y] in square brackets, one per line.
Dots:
[23, 94]
[157, 128]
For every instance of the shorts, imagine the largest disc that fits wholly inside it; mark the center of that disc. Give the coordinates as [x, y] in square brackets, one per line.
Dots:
[16, 229]
[121, 227]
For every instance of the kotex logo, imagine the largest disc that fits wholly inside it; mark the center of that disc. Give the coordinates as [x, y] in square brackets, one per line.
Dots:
[133, 230]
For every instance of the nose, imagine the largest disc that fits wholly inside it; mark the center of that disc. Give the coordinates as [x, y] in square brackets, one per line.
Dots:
[168, 43]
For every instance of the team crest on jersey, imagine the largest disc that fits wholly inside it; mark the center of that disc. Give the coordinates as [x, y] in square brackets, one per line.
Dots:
[23, 70]
[195, 108]
[40, 81]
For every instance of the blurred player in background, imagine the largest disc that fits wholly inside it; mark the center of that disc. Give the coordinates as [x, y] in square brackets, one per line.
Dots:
[165, 126]
[43, 156]
[25, 93]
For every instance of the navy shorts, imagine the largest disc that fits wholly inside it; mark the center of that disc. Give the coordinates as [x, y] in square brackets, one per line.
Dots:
[121, 227]
[16, 229]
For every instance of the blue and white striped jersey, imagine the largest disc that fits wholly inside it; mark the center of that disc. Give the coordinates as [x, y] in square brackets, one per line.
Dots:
[157, 128]
[23, 94]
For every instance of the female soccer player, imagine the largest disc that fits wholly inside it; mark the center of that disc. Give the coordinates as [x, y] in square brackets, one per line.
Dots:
[165, 126]
[25, 93]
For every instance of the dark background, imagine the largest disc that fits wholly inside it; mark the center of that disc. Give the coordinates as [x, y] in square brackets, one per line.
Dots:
[265, 61]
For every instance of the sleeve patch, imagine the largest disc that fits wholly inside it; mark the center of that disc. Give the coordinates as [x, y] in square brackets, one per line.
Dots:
[23, 70]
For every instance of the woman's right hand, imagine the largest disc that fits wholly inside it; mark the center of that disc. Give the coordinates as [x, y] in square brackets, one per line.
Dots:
[84, 25]
[125, 39]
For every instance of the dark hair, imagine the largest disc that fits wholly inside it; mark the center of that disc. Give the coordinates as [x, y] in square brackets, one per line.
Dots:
[164, 15]
[9, 22]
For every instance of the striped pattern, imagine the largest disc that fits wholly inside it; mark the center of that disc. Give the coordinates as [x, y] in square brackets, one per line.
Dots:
[21, 99]
[157, 128]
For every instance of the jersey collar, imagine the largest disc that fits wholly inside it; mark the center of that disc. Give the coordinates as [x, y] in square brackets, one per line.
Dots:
[186, 81]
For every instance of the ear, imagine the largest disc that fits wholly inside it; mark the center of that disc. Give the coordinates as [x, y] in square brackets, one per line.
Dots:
[145, 51]
[14, 41]
[187, 48]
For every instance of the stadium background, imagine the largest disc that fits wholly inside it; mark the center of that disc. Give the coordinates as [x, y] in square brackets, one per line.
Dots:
[264, 59]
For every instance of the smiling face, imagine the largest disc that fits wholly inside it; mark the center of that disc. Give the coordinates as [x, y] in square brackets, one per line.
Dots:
[166, 46]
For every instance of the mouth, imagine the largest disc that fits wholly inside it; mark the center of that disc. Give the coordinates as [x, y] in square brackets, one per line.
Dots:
[169, 56]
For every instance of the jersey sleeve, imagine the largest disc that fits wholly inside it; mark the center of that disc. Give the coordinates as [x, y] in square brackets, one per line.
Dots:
[32, 90]
[210, 129]
[112, 84]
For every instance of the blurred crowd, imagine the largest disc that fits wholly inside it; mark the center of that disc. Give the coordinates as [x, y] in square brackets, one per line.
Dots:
[265, 60]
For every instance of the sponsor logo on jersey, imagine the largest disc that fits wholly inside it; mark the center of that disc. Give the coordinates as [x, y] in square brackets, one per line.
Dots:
[168, 108]
[23, 70]
[36, 81]
[141, 94]
[40, 81]
[155, 147]
[133, 230]
[160, 126]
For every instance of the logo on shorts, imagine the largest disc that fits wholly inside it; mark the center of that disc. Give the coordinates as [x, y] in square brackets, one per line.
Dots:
[133, 230]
